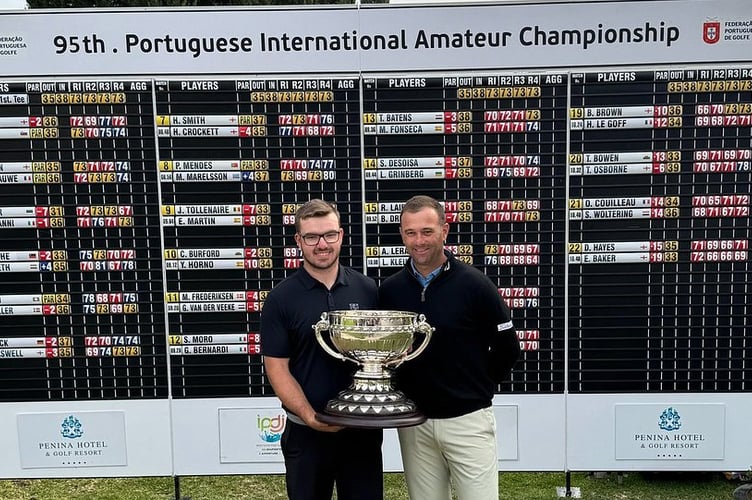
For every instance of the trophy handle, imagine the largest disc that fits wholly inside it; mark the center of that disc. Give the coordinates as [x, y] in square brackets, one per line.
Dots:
[422, 327]
[323, 325]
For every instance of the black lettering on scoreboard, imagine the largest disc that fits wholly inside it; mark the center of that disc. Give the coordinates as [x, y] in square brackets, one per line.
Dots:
[659, 229]
[492, 148]
[236, 159]
[81, 303]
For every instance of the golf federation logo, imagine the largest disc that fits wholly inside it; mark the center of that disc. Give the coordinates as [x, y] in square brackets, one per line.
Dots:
[711, 31]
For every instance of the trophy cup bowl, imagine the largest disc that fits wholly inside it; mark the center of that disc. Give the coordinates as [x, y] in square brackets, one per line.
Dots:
[377, 341]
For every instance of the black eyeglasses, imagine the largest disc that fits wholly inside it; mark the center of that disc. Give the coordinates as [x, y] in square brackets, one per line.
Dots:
[312, 239]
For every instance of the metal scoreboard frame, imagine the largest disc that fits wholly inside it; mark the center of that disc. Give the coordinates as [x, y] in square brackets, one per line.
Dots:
[594, 159]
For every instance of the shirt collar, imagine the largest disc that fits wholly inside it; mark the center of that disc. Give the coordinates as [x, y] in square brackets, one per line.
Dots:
[425, 280]
[310, 282]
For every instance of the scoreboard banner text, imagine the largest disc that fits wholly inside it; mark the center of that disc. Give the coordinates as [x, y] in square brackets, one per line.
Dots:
[373, 38]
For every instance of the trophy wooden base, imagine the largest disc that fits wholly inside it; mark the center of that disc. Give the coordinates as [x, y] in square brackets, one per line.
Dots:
[372, 421]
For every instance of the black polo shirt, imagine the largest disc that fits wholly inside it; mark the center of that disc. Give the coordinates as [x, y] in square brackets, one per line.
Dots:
[290, 311]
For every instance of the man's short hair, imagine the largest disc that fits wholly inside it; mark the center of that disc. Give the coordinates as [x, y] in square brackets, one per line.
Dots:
[314, 208]
[419, 202]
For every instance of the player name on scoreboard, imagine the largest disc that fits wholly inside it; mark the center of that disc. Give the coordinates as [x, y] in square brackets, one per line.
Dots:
[29, 166]
[216, 215]
[215, 301]
[386, 256]
[211, 126]
[36, 347]
[626, 117]
[22, 261]
[35, 178]
[625, 163]
[396, 256]
[36, 217]
[432, 167]
[214, 170]
[29, 127]
[624, 252]
[217, 258]
[389, 212]
[417, 123]
[35, 304]
[649, 207]
[213, 344]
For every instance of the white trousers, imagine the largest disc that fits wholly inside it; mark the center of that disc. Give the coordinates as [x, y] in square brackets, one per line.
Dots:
[460, 450]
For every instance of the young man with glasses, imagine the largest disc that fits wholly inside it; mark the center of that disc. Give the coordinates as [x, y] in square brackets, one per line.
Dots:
[304, 377]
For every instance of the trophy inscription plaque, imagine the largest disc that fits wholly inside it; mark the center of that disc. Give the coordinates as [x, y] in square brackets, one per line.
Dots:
[378, 341]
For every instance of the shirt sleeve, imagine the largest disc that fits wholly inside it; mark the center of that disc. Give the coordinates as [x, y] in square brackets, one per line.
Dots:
[275, 338]
[504, 348]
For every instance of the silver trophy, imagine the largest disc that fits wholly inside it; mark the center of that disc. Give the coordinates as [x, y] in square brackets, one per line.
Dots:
[377, 341]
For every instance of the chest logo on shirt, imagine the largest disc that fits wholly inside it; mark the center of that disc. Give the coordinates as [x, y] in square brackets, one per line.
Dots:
[504, 326]
[354, 306]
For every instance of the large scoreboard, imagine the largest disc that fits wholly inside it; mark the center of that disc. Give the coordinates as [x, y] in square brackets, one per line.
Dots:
[599, 175]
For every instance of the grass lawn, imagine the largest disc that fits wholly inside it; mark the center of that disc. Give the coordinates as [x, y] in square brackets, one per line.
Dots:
[513, 485]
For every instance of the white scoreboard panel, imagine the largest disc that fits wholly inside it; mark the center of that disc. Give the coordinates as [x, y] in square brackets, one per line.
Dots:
[599, 174]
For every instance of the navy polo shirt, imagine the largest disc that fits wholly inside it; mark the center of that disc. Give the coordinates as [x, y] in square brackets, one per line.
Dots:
[290, 311]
